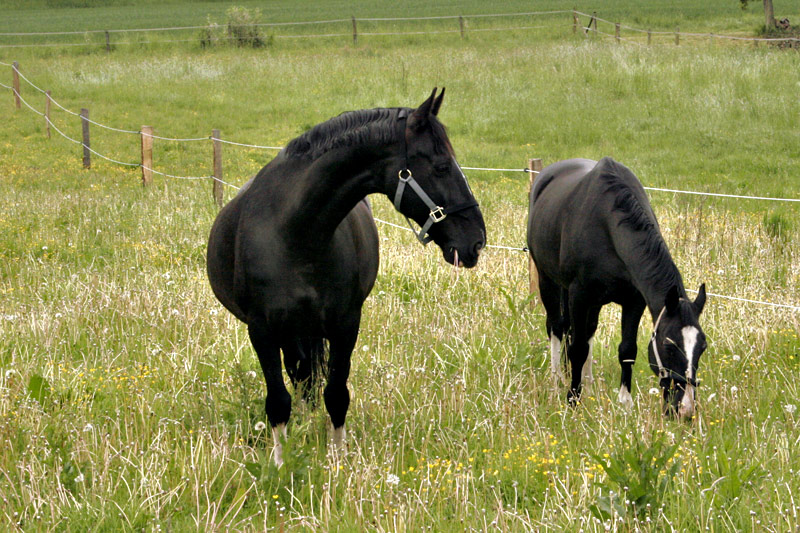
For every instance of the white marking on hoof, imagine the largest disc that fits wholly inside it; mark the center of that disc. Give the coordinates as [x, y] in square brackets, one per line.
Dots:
[278, 433]
[555, 357]
[337, 437]
[586, 372]
[625, 398]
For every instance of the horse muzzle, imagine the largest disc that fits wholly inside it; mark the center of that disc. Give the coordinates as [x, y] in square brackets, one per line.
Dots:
[466, 256]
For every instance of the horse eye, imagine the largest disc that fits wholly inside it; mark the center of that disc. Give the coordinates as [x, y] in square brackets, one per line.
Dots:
[442, 168]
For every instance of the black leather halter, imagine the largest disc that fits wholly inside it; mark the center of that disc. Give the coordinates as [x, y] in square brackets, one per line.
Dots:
[437, 212]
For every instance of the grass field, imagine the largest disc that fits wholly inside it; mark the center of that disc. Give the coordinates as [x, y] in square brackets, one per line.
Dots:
[129, 397]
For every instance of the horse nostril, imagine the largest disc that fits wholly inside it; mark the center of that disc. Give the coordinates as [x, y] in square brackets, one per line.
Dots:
[477, 248]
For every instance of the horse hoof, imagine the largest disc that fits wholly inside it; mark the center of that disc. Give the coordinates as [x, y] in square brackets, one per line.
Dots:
[625, 399]
[573, 398]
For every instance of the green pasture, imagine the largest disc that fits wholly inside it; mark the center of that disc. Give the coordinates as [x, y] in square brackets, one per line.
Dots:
[129, 398]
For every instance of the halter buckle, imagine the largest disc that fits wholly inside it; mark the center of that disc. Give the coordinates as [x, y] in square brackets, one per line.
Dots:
[438, 214]
[400, 175]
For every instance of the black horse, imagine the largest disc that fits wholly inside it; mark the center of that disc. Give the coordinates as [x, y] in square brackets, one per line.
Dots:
[595, 240]
[295, 253]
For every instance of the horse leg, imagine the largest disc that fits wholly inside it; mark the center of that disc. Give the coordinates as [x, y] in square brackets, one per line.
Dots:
[278, 404]
[550, 293]
[337, 397]
[583, 321]
[631, 316]
[586, 371]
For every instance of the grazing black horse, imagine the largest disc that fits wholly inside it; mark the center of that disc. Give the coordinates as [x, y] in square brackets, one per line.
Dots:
[595, 240]
[295, 253]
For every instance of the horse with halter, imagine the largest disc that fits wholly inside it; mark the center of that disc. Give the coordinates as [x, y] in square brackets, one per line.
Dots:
[594, 240]
[295, 253]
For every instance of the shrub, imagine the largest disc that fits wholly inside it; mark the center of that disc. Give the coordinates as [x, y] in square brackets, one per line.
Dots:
[242, 26]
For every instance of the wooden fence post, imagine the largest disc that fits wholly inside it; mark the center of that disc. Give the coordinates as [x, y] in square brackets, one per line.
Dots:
[711, 39]
[677, 36]
[217, 189]
[147, 155]
[355, 32]
[108, 43]
[461, 25]
[574, 21]
[649, 36]
[616, 31]
[534, 167]
[15, 68]
[87, 155]
[47, 112]
[593, 20]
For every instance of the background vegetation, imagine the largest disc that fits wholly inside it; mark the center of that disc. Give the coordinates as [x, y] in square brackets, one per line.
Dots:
[129, 398]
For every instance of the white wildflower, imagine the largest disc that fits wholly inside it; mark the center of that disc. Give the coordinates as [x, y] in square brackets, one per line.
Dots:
[711, 396]
[80, 478]
[251, 374]
[10, 372]
[392, 479]
[790, 408]
[737, 358]
[87, 428]
[734, 389]
[653, 391]
[260, 426]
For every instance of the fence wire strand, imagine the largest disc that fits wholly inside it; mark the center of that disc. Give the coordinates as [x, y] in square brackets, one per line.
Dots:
[523, 249]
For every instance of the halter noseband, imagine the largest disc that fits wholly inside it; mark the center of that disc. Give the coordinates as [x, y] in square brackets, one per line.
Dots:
[665, 375]
[437, 212]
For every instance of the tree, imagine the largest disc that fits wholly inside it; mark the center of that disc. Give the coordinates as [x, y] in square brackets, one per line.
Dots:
[769, 13]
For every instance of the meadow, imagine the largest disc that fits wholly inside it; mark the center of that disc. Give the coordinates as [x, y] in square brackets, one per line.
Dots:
[130, 399]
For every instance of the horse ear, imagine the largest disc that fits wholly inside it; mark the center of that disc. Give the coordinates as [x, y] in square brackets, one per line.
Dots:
[419, 118]
[672, 299]
[437, 103]
[700, 301]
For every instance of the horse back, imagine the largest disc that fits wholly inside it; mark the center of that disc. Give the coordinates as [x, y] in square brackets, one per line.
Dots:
[572, 218]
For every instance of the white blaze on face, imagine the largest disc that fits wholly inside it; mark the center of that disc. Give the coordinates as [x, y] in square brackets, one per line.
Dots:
[690, 333]
[555, 356]
[278, 432]
[586, 371]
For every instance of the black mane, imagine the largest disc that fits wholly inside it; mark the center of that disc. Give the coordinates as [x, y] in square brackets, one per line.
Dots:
[354, 128]
[366, 126]
[657, 263]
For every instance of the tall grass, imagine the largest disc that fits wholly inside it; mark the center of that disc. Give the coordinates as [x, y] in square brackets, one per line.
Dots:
[129, 398]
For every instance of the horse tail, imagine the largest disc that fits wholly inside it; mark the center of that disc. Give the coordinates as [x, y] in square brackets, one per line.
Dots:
[304, 358]
[315, 347]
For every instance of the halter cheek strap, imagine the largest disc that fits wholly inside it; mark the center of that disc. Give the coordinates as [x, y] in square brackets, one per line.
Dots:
[665, 373]
[437, 212]
[662, 372]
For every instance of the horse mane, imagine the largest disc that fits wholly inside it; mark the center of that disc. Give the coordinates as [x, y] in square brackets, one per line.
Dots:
[636, 214]
[356, 128]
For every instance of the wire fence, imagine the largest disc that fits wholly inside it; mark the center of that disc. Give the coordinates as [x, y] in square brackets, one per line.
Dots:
[677, 34]
[355, 33]
[217, 179]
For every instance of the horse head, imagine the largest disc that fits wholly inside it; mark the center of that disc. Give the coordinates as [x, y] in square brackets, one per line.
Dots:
[675, 350]
[432, 190]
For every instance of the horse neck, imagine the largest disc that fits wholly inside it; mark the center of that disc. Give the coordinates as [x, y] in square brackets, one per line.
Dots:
[651, 267]
[330, 187]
